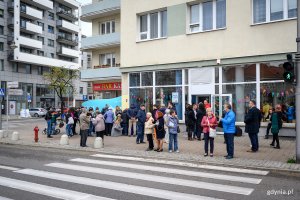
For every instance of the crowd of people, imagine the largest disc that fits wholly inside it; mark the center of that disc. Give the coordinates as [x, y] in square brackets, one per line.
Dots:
[162, 125]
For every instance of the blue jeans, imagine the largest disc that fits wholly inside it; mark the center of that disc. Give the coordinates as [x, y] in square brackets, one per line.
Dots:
[196, 133]
[69, 129]
[91, 128]
[140, 132]
[229, 139]
[53, 125]
[173, 139]
[49, 128]
[254, 141]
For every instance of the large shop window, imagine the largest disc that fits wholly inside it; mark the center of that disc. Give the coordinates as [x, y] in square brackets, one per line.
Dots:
[240, 73]
[273, 10]
[209, 15]
[168, 77]
[140, 96]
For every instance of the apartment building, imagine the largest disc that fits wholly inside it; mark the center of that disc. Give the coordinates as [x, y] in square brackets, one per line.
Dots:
[185, 51]
[35, 36]
[104, 77]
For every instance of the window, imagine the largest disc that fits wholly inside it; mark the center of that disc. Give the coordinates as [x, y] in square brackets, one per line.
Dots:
[25, 50]
[28, 69]
[1, 65]
[15, 67]
[108, 59]
[209, 15]
[50, 29]
[80, 90]
[40, 53]
[1, 13]
[107, 27]
[50, 43]
[50, 16]
[40, 70]
[1, 46]
[273, 10]
[51, 55]
[39, 38]
[153, 25]
[41, 25]
[1, 30]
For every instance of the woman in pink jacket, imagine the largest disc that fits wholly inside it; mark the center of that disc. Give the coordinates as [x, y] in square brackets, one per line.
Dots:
[209, 121]
[99, 124]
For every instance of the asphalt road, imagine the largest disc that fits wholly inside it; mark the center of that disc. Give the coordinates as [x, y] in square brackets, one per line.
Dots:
[28, 173]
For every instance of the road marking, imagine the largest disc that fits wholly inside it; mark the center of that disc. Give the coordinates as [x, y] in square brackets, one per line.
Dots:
[155, 178]
[186, 164]
[47, 190]
[4, 198]
[152, 192]
[170, 170]
[9, 168]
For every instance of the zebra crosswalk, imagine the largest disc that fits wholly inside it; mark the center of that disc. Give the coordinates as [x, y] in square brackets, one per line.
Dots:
[147, 178]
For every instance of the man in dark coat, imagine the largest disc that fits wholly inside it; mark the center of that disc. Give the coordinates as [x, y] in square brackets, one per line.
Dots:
[252, 121]
[131, 113]
[141, 117]
[190, 121]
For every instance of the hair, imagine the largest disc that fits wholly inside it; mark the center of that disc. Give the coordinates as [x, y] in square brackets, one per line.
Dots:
[172, 111]
[201, 106]
[149, 113]
[253, 101]
[167, 111]
[208, 109]
[142, 105]
[227, 105]
[278, 107]
[98, 112]
[190, 107]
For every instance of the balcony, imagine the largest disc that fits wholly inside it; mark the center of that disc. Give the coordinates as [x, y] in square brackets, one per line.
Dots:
[72, 53]
[45, 4]
[100, 9]
[70, 3]
[100, 74]
[30, 43]
[67, 39]
[30, 28]
[66, 14]
[30, 13]
[67, 26]
[100, 41]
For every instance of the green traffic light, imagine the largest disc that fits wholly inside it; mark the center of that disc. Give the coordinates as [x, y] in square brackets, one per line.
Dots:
[288, 76]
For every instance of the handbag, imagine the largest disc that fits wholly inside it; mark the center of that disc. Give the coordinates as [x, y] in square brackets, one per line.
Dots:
[212, 132]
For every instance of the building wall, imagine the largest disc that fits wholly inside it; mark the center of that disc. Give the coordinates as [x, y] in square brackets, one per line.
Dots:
[239, 39]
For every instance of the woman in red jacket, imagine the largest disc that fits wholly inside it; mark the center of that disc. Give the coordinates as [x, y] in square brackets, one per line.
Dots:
[209, 122]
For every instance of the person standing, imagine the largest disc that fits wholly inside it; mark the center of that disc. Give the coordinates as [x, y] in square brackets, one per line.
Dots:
[160, 131]
[109, 117]
[49, 125]
[99, 124]
[268, 118]
[276, 125]
[252, 121]
[209, 122]
[84, 119]
[141, 119]
[131, 113]
[118, 111]
[200, 114]
[70, 123]
[196, 129]
[206, 104]
[291, 113]
[149, 125]
[125, 121]
[191, 121]
[75, 117]
[166, 121]
[228, 123]
[173, 132]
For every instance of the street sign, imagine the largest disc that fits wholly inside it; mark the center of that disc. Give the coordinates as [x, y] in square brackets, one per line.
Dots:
[17, 92]
[2, 92]
[84, 97]
[175, 97]
[13, 84]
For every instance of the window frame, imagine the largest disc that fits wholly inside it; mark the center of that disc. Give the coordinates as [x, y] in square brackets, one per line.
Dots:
[50, 29]
[1, 64]
[50, 42]
[112, 57]
[268, 13]
[112, 27]
[2, 15]
[1, 30]
[2, 46]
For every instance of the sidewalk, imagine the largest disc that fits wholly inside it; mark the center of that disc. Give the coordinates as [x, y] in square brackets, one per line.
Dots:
[190, 151]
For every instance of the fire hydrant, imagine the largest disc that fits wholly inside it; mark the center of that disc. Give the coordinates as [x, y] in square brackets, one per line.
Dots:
[36, 133]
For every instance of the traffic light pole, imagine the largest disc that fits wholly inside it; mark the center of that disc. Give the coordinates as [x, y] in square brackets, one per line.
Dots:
[297, 95]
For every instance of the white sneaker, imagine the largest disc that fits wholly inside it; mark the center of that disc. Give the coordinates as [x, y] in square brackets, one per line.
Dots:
[170, 151]
[177, 151]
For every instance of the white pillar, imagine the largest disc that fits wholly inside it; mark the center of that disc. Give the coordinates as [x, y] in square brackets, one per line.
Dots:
[15, 136]
[64, 140]
[240, 93]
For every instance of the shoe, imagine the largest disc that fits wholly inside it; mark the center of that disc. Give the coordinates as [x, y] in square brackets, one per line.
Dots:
[205, 154]
[228, 157]
[170, 151]
[155, 149]
[266, 137]
[137, 142]
[251, 151]
[225, 156]
[211, 155]
[143, 142]
[148, 149]
[272, 144]
[277, 147]
[49, 136]
[160, 150]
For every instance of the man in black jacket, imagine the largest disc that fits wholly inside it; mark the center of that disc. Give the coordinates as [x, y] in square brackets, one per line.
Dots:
[252, 121]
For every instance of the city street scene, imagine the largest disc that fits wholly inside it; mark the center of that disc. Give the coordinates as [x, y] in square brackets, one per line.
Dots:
[149, 99]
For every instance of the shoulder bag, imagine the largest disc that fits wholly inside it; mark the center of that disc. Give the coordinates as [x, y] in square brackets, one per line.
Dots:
[212, 132]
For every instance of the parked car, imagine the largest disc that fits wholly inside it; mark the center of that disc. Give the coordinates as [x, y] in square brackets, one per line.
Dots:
[37, 112]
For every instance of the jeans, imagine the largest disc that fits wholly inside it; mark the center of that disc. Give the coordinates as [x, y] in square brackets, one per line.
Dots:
[125, 128]
[254, 141]
[211, 143]
[268, 129]
[132, 123]
[83, 137]
[150, 140]
[49, 128]
[196, 132]
[140, 132]
[53, 125]
[69, 129]
[108, 127]
[91, 128]
[173, 138]
[229, 139]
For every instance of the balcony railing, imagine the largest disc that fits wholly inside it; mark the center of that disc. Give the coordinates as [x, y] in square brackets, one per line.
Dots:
[105, 66]
[101, 41]
[68, 14]
[67, 39]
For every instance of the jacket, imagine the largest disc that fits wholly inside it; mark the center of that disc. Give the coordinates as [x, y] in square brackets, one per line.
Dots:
[229, 123]
[84, 121]
[279, 118]
[290, 113]
[212, 121]
[166, 120]
[98, 122]
[191, 120]
[132, 112]
[141, 116]
[109, 117]
[200, 115]
[173, 125]
[252, 120]
[124, 117]
[149, 125]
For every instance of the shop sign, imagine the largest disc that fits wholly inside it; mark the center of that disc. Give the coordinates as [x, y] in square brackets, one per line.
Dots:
[107, 86]
[175, 97]
[13, 84]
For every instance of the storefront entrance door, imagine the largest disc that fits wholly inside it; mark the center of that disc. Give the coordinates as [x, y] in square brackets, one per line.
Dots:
[218, 102]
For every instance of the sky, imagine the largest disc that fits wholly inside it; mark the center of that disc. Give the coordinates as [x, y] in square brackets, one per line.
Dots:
[86, 28]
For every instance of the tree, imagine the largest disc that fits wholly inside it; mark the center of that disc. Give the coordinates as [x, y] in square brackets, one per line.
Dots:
[61, 80]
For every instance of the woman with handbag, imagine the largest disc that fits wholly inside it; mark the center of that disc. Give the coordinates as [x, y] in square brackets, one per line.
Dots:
[209, 124]
[160, 131]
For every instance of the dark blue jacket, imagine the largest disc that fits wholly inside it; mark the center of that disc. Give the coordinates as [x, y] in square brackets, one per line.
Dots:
[229, 122]
[252, 120]
[141, 116]
[132, 112]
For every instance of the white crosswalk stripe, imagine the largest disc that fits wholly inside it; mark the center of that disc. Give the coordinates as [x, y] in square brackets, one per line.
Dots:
[185, 164]
[4, 198]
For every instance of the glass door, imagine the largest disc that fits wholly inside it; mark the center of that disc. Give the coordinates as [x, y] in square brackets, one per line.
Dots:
[218, 101]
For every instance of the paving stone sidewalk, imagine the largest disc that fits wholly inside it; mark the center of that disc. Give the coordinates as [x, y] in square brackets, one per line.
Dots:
[190, 151]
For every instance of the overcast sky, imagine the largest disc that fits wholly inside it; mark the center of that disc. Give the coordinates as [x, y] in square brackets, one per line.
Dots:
[86, 28]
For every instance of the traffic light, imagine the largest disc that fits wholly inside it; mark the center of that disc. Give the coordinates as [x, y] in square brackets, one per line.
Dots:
[289, 69]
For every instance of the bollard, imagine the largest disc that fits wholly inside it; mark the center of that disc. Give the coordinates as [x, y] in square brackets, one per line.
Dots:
[98, 143]
[15, 136]
[1, 134]
[64, 140]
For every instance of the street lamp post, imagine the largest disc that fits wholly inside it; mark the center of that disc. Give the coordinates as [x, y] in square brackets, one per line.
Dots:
[297, 95]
